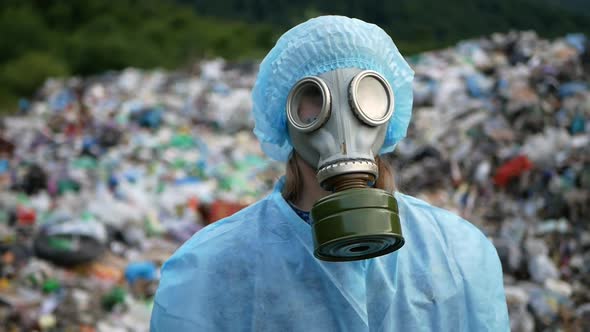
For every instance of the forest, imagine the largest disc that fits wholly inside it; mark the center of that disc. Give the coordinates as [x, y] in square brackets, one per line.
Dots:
[50, 38]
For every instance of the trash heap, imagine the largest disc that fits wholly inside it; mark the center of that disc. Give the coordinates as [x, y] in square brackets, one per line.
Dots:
[501, 136]
[102, 178]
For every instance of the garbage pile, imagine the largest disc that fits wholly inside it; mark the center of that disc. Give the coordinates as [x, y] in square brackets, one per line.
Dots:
[102, 178]
[501, 136]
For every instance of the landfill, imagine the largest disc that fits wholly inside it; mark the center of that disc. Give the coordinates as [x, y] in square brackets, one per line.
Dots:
[103, 177]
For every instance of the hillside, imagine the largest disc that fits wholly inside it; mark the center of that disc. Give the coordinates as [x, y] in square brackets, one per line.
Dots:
[416, 25]
[45, 38]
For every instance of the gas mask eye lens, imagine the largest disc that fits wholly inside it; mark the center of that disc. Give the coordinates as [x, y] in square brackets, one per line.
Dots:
[308, 104]
[371, 98]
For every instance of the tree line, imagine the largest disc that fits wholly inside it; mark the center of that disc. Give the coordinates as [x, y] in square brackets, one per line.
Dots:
[45, 38]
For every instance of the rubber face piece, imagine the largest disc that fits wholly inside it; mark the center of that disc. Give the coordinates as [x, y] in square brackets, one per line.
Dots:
[356, 224]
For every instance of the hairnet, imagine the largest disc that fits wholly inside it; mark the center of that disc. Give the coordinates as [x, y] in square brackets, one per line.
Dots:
[314, 47]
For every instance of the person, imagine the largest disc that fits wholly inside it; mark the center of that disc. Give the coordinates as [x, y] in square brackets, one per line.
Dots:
[334, 247]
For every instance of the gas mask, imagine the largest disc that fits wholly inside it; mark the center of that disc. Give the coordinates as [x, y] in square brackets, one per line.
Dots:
[337, 123]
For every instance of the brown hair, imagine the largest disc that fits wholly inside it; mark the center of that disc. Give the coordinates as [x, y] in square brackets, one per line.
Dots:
[294, 183]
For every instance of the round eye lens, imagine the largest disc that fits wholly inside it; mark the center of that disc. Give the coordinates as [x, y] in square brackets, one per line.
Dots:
[311, 102]
[308, 104]
[372, 98]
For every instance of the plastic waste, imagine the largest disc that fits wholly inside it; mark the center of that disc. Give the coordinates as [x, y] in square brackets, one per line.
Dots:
[102, 173]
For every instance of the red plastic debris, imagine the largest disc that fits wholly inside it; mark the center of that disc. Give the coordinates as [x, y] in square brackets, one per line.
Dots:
[221, 209]
[25, 216]
[512, 169]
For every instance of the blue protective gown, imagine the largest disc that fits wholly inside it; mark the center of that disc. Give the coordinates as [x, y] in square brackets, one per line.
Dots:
[255, 271]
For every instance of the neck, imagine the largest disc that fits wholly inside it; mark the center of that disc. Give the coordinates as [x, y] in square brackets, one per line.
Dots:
[311, 191]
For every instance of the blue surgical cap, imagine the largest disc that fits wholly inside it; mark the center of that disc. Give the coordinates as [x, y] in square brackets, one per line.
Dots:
[317, 46]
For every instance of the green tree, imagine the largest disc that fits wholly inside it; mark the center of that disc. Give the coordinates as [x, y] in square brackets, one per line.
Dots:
[27, 72]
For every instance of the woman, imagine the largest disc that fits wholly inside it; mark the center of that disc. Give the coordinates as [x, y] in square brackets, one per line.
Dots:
[332, 95]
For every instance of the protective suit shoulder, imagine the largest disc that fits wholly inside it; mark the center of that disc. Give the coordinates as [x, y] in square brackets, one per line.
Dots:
[192, 277]
[445, 223]
[469, 255]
